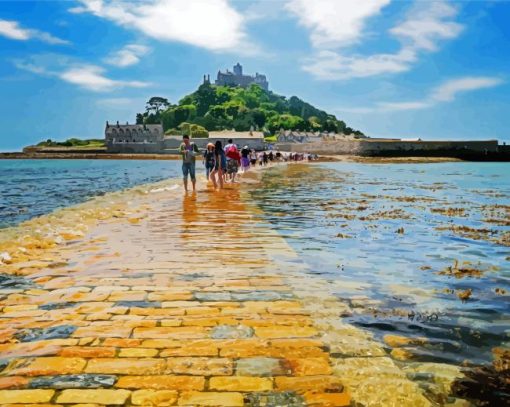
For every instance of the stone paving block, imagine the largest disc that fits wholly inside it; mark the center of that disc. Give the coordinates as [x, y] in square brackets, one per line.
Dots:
[191, 348]
[211, 399]
[13, 382]
[212, 296]
[29, 349]
[103, 331]
[203, 311]
[46, 366]
[170, 296]
[157, 312]
[304, 384]
[137, 353]
[121, 342]
[280, 399]
[285, 332]
[127, 296]
[200, 366]
[102, 396]
[88, 351]
[238, 383]
[154, 397]
[309, 366]
[231, 332]
[262, 296]
[161, 382]
[181, 304]
[26, 396]
[327, 399]
[192, 320]
[261, 366]
[188, 332]
[128, 366]
[21, 307]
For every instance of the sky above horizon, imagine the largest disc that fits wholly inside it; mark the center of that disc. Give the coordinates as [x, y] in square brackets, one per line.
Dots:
[390, 68]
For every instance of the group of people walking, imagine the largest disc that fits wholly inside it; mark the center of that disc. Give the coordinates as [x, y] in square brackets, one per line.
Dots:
[222, 164]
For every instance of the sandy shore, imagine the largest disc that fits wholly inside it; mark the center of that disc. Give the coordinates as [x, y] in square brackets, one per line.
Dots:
[153, 297]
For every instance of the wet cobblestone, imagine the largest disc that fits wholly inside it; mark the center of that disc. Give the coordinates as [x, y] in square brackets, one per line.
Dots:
[163, 312]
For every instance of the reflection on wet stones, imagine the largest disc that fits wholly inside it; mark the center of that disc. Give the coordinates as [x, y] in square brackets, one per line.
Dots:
[38, 334]
[231, 332]
[79, 381]
[12, 282]
[268, 399]
[57, 305]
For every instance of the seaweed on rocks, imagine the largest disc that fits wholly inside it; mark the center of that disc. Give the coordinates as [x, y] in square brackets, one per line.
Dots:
[487, 385]
[484, 385]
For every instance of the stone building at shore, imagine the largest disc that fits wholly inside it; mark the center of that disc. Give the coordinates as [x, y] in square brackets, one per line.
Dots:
[150, 139]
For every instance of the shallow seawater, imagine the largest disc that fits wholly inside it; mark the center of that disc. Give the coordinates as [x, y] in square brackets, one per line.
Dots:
[32, 188]
[420, 250]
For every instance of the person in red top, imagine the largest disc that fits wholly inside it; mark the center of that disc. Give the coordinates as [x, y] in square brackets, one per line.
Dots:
[233, 160]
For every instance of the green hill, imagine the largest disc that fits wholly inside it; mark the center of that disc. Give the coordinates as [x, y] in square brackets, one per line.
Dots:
[219, 107]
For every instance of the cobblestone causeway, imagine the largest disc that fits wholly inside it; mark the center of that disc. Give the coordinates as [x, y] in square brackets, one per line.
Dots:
[183, 301]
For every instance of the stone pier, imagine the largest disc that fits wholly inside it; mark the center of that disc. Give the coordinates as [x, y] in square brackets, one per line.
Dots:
[182, 300]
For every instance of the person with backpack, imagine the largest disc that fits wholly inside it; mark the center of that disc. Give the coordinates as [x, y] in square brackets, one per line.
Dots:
[188, 151]
[208, 159]
[233, 159]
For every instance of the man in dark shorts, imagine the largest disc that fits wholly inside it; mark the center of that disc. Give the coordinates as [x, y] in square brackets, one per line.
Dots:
[188, 152]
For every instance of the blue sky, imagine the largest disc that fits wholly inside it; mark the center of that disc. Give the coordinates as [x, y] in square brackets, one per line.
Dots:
[429, 69]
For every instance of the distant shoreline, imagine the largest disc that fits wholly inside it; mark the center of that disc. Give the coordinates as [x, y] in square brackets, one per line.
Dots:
[322, 158]
[87, 156]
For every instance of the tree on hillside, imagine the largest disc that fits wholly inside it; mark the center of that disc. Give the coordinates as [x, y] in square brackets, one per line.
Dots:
[223, 107]
[155, 104]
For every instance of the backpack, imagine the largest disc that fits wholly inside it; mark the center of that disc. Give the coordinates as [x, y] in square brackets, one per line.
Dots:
[232, 152]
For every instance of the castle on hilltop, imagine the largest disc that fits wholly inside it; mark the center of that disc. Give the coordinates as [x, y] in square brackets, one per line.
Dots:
[237, 78]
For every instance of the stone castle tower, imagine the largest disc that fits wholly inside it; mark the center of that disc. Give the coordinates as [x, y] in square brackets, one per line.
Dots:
[237, 78]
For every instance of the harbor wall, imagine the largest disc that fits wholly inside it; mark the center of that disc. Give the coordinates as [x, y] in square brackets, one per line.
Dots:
[394, 147]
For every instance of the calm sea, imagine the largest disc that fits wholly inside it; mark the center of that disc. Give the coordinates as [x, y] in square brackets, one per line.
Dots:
[31, 188]
[402, 244]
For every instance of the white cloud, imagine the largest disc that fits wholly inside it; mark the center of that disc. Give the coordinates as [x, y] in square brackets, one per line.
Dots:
[92, 77]
[12, 30]
[426, 24]
[335, 23]
[331, 65]
[392, 106]
[449, 90]
[129, 55]
[211, 24]
[446, 92]
[86, 76]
